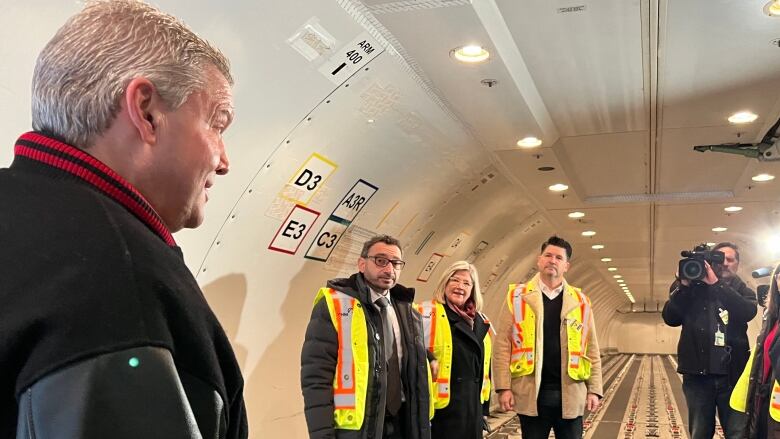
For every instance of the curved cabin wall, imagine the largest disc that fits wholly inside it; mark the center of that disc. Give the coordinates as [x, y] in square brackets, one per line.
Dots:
[320, 162]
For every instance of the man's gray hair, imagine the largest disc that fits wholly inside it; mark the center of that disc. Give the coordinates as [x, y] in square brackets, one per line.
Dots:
[81, 74]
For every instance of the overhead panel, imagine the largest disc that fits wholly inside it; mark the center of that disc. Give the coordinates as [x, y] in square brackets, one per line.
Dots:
[586, 62]
[597, 162]
[685, 170]
[718, 55]
[497, 115]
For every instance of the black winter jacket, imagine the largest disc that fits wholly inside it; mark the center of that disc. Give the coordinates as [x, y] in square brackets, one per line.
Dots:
[462, 418]
[696, 308]
[318, 366]
[104, 332]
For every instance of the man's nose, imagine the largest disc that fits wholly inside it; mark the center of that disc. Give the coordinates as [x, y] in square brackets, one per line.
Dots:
[224, 163]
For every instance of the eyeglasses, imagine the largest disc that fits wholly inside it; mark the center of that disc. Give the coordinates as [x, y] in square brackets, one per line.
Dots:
[382, 261]
[465, 283]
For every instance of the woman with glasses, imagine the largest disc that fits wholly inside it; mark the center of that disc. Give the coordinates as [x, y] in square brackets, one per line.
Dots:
[757, 392]
[459, 336]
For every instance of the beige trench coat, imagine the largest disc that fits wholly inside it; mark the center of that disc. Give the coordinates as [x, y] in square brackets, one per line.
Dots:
[526, 388]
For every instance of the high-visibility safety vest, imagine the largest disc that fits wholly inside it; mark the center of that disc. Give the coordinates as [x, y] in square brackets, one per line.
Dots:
[524, 332]
[438, 340]
[350, 381]
[738, 400]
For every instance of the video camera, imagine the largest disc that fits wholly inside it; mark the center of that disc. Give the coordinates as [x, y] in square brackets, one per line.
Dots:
[692, 265]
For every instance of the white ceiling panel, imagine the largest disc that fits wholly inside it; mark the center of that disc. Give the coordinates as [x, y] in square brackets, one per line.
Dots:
[587, 65]
[498, 115]
[584, 160]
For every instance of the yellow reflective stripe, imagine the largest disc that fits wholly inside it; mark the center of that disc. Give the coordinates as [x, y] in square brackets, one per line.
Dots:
[344, 386]
[350, 381]
[428, 312]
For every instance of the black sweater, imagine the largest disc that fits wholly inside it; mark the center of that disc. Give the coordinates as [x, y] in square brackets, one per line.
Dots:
[82, 276]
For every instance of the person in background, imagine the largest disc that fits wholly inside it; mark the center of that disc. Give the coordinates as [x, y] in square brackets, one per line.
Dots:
[757, 392]
[713, 346]
[104, 332]
[460, 338]
[364, 369]
[547, 365]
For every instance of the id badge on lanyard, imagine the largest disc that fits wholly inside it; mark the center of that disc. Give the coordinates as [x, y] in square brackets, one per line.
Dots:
[720, 337]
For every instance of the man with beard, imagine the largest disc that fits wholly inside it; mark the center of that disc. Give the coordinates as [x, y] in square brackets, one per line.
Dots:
[546, 362]
[364, 370]
[713, 346]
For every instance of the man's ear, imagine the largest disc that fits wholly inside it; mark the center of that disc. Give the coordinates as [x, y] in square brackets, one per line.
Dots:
[361, 264]
[142, 102]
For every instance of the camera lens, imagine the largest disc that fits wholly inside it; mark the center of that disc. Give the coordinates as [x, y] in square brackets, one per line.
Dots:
[692, 269]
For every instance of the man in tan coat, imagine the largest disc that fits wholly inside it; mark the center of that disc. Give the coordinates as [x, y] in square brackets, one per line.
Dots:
[546, 362]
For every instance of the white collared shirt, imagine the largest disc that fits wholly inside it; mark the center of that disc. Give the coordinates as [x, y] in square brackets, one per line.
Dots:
[393, 321]
[551, 293]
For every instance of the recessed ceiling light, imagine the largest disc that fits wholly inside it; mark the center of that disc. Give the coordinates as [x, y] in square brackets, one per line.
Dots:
[529, 142]
[588, 233]
[606, 259]
[370, 121]
[470, 54]
[772, 8]
[597, 246]
[558, 187]
[576, 215]
[763, 177]
[617, 276]
[711, 244]
[719, 229]
[743, 117]
[621, 281]
[612, 269]
[732, 209]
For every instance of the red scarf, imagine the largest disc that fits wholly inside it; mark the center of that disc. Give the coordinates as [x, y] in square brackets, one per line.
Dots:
[468, 313]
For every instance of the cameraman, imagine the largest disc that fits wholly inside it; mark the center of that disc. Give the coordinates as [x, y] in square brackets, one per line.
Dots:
[713, 346]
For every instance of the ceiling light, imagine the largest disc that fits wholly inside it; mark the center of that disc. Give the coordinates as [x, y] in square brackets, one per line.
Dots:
[763, 177]
[612, 269]
[719, 229]
[606, 259]
[588, 233]
[470, 54]
[732, 209]
[617, 276]
[558, 187]
[772, 8]
[743, 117]
[597, 246]
[370, 121]
[576, 215]
[529, 142]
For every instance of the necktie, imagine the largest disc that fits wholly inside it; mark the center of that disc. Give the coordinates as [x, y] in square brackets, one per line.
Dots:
[394, 386]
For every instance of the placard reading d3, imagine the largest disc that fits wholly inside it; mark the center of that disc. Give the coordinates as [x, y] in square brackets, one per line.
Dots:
[294, 229]
[355, 200]
[310, 178]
